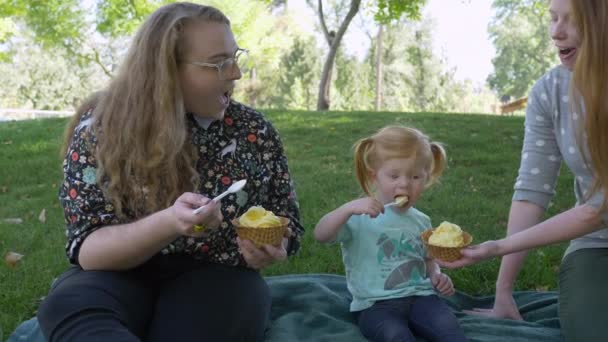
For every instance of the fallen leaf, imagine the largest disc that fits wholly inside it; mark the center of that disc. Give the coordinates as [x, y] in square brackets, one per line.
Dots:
[42, 216]
[7, 142]
[3, 189]
[12, 258]
[542, 288]
[13, 220]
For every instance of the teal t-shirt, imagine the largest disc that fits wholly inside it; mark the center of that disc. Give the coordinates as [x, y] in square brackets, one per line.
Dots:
[384, 256]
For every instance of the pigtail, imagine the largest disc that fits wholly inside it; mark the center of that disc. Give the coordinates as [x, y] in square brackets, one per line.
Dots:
[361, 152]
[439, 162]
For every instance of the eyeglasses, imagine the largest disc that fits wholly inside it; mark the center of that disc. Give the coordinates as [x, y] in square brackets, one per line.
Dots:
[225, 68]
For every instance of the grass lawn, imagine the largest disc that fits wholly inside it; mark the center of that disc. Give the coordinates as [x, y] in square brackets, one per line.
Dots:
[475, 192]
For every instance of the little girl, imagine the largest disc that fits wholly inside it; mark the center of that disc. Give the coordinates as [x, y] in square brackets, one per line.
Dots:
[392, 282]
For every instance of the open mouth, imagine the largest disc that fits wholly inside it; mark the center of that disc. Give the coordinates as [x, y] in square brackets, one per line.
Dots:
[566, 52]
[225, 97]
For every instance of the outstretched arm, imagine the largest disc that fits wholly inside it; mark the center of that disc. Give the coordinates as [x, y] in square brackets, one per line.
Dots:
[568, 225]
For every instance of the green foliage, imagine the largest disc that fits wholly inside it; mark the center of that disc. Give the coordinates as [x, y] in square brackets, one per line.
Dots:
[43, 79]
[524, 50]
[119, 18]
[85, 40]
[7, 30]
[300, 69]
[352, 84]
[414, 78]
[393, 10]
[54, 22]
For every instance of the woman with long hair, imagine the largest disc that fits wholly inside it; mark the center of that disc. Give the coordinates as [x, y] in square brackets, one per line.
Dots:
[566, 119]
[163, 139]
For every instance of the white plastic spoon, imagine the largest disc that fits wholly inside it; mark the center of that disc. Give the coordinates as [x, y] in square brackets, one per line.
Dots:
[235, 187]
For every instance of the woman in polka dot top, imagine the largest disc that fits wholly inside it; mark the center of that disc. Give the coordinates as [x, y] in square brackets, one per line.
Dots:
[566, 120]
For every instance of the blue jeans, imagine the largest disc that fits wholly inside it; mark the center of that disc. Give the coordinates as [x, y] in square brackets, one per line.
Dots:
[400, 318]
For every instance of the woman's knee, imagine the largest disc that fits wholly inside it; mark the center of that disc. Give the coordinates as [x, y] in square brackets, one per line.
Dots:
[103, 296]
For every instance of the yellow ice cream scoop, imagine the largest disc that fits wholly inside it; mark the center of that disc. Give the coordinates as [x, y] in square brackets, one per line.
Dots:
[447, 235]
[258, 217]
[400, 201]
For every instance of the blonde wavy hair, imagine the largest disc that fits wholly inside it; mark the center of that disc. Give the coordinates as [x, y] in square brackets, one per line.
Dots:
[397, 142]
[590, 83]
[145, 158]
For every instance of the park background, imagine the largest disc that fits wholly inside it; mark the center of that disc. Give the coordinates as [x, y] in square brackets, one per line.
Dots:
[444, 66]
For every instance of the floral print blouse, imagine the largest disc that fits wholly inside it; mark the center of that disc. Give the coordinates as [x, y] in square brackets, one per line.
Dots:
[244, 145]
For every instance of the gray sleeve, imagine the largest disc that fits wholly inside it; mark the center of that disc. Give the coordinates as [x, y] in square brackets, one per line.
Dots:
[540, 157]
[596, 201]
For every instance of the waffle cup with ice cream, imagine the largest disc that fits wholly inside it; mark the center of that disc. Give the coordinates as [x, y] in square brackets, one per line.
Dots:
[446, 241]
[261, 226]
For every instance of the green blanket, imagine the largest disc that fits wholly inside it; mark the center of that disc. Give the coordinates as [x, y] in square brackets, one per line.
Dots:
[314, 307]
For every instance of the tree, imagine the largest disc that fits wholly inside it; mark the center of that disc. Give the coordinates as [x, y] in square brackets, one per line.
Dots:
[97, 33]
[44, 79]
[300, 69]
[379, 39]
[524, 50]
[414, 77]
[67, 25]
[352, 84]
[385, 11]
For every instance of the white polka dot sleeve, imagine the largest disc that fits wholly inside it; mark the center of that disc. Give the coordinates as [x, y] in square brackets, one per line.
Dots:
[596, 201]
[540, 157]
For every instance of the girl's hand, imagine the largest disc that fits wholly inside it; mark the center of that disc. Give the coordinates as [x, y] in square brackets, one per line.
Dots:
[443, 284]
[258, 258]
[209, 218]
[504, 307]
[367, 205]
[473, 254]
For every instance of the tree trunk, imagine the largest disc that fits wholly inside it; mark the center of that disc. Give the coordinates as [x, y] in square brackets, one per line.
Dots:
[334, 42]
[378, 105]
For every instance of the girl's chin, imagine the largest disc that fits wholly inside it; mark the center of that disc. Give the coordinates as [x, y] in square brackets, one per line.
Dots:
[568, 61]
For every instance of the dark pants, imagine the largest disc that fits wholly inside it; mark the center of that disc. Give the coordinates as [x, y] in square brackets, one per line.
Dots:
[170, 298]
[583, 295]
[400, 318]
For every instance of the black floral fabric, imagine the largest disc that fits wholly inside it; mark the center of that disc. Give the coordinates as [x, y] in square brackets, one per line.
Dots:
[244, 145]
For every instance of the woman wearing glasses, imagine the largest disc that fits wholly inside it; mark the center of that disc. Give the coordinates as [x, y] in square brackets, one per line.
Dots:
[162, 139]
